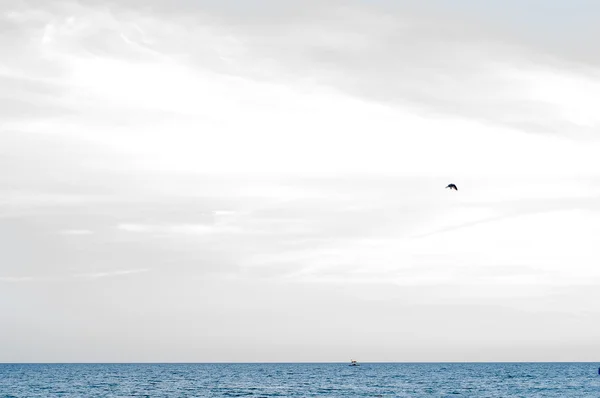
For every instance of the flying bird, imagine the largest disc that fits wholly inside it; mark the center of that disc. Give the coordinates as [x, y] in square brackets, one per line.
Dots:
[452, 186]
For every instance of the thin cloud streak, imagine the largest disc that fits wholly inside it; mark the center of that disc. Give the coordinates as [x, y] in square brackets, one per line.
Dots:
[15, 279]
[97, 275]
[77, 232]
[185, 229]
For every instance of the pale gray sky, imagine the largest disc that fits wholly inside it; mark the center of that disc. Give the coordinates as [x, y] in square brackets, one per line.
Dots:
[264, 181]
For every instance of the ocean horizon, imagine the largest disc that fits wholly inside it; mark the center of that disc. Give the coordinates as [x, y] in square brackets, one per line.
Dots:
[286, 362]
[301, 379]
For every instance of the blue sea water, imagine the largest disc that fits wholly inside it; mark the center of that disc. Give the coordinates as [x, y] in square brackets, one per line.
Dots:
[301, 380]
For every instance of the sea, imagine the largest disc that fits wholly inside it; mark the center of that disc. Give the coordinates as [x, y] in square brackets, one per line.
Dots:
[301, 380]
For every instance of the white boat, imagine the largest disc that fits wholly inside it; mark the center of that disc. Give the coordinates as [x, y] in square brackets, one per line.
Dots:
[353, 363]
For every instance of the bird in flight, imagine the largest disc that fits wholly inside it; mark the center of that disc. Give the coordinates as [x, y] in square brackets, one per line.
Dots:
[452, 186]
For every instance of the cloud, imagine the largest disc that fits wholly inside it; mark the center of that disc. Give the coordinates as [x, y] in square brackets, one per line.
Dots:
[184, 229]
[358, 101]
[454, 64]
[77, 232]
[15, 279]
[96, 275]
[443, 64]
[133, 227]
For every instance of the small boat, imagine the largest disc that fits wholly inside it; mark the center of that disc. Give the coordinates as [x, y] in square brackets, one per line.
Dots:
[353, 363]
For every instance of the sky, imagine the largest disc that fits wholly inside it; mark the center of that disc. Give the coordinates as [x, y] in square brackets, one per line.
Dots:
[264, 181]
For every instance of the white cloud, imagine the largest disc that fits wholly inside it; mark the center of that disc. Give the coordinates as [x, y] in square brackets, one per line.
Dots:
[96, 275]
[183, 229]
[15, 279]
[77, 232]
[134, 227]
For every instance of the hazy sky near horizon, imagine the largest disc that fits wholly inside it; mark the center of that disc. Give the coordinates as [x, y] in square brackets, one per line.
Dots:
[264, 180]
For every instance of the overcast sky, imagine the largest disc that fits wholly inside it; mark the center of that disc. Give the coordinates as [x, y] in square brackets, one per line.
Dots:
[195, 180]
